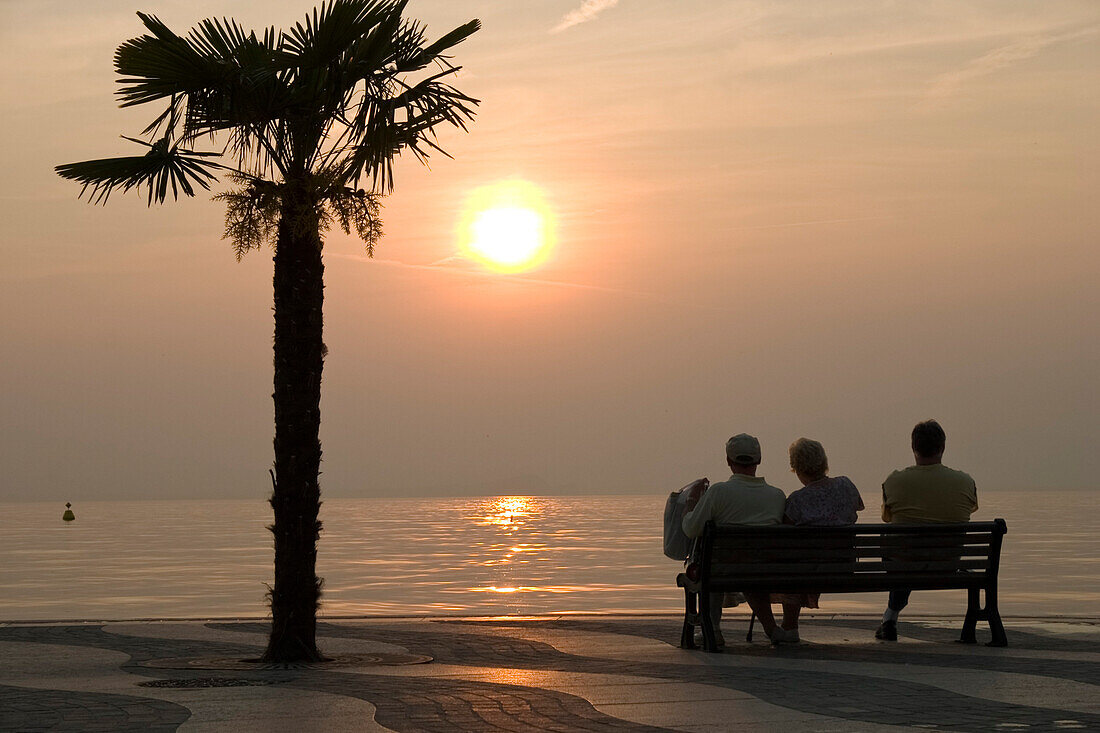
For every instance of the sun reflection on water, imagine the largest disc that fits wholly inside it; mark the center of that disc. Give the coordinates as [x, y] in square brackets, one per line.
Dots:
[510, 511]
[514, 559]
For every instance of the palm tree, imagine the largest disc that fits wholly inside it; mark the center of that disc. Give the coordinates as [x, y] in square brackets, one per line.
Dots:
[304, 116]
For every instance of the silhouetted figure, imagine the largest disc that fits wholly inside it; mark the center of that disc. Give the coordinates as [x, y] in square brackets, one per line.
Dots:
[744, 498]
[823, 501]
[925, 493]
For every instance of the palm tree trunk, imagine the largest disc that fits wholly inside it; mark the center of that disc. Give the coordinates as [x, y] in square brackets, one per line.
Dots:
[296, 499]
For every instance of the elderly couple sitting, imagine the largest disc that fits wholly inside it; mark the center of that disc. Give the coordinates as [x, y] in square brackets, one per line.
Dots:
[926, 492]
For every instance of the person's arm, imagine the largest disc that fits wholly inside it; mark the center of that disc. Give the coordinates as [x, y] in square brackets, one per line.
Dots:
[695, 519]
[698, 488]
[974, 499]
[859, 497]
[887, 515]
[791, 512]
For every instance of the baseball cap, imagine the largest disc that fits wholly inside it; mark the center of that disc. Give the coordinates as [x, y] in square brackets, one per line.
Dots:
[744, 449]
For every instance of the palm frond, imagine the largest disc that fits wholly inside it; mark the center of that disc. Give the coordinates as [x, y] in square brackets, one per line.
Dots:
[335, 27]
[251, 214]
[391, 115]
[405, 121]
[162, 166]
[375, 49]
[218, 38]
[429, 96]
[336, 48]
[219, 77]
[359, 210]
[422, 57]
[162, 65]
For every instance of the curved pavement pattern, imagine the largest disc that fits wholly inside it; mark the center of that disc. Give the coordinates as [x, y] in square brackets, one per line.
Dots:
[559, 674]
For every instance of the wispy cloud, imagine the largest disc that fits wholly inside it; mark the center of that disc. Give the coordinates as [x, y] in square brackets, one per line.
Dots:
[947, 85]
[588, 10]
[815, 222]
[458, 265]
[462, 266]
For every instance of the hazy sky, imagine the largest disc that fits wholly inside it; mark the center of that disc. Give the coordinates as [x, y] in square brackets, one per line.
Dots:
[821, 219]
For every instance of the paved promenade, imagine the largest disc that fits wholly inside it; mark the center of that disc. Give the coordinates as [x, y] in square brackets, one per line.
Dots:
[556, 674]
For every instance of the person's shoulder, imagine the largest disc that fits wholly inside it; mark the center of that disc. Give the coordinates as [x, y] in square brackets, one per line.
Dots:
[845, 482]
[775, 490]
[720, 485]
[960, 475]
[795, 501]
[898, 475]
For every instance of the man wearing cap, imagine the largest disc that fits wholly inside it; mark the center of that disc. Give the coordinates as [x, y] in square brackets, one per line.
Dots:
[925, 493]
[744, 498]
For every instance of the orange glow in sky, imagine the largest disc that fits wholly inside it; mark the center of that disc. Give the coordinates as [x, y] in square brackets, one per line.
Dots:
[669, 223]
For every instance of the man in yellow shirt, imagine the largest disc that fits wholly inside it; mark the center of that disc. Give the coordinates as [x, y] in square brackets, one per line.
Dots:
[925, 493]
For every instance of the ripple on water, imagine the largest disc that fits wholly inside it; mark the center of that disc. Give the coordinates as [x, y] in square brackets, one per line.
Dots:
[491, 555]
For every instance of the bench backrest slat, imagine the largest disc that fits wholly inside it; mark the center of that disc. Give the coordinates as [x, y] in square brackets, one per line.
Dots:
[837, 554]
[794, 537]
[997, 526]
[773, 569]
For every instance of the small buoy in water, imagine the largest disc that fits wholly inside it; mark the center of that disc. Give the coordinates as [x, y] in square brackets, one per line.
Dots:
[68, 516]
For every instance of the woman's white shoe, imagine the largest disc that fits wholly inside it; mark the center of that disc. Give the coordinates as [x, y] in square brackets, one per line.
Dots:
[779, 635]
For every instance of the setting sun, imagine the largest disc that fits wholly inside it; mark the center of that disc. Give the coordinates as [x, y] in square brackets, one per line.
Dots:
[507, 226]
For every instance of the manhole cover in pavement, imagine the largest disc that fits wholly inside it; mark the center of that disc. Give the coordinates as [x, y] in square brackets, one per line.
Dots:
[380, 659]
[204, 682]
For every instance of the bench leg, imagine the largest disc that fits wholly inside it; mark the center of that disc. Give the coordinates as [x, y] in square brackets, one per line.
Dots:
[710, 640]
[973, 612]
[994, 617]
[691, 616]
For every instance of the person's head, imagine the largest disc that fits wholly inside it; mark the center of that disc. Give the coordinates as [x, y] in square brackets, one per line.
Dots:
[929, 441]
[808, 460]
[743, 454]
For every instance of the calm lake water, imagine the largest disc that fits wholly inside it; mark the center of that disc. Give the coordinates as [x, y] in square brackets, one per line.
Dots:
[462, 556]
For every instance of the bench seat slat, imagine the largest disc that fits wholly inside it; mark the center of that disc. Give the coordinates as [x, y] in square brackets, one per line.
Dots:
[869, 582]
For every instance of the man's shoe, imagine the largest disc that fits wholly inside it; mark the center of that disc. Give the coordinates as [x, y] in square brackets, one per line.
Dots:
[888, 631]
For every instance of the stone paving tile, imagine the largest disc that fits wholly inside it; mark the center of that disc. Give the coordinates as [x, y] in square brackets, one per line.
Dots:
[140, 648]
[449, 704]
[27, 709]
[275, 708]
[1019, 637]
[966, 657]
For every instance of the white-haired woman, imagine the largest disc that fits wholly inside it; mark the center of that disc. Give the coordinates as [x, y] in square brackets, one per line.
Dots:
[823, 501]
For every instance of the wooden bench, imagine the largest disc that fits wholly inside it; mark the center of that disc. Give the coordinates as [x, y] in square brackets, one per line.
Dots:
[854, 559]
